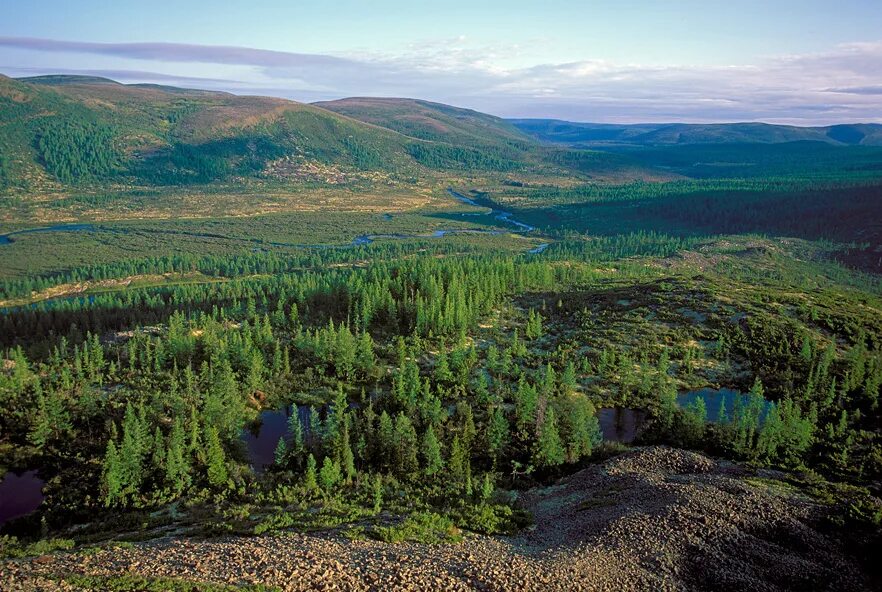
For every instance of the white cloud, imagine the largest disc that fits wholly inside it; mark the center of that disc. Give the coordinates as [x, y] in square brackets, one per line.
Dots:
[843, 84]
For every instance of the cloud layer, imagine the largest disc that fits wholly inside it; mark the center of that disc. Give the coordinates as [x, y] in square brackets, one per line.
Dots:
[842, 84]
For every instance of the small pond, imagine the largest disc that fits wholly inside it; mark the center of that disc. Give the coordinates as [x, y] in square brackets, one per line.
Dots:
[20, 494]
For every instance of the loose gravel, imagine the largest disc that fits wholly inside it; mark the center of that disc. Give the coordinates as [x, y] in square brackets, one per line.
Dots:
[651, 519]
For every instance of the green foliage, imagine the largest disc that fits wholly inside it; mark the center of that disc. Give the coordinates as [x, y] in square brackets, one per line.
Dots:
[444, 156]
[75, 152]
[137, 583]
[422, 527]
[549, 448]
[11, 547]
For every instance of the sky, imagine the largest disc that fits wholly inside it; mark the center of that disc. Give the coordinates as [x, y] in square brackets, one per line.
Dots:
[806, 62]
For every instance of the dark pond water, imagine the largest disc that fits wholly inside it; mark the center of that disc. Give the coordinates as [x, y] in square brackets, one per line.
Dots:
[20, 494]
[262, 439]
[620, 424]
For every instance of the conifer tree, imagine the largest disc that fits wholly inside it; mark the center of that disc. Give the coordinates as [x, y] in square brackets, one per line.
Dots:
[281, 452]
[433, 461]
[405, 439]
[310, 477]
[177, 469]
[549, 450]
[497, 433]
[216, 468]
[112, 476]
[329, 475]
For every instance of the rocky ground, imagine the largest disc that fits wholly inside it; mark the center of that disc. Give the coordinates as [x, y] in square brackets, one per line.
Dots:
[651, 519]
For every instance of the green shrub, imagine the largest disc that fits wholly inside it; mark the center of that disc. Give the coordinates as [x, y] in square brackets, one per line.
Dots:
[423, 527]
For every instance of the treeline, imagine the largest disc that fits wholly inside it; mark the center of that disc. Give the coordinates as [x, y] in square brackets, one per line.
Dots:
[645, 190]
[228, 266]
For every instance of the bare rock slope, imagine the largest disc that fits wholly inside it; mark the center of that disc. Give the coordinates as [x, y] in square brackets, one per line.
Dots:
[651, 519]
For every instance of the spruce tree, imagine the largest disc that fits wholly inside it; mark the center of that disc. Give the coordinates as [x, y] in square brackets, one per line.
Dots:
[281, 452]
[549, 450]
[329, 475]
[433, 462]
[216, 468]
[310, 477]
[112, 476]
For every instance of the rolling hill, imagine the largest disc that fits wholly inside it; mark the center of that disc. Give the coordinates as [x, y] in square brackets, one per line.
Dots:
[64, 131]
[68, 130]
[598, 134]
[433, 121]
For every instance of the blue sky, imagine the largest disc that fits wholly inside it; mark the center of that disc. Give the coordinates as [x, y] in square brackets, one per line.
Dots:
[784, 61]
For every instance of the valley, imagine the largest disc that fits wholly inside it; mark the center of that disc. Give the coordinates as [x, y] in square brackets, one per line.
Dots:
[521, 352]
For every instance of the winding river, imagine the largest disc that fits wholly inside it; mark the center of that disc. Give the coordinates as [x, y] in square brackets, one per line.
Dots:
[358, 241]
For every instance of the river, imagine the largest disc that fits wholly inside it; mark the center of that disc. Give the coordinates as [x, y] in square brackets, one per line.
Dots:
[361, 240]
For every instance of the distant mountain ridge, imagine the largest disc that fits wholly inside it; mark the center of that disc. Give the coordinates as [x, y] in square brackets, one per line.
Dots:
[60, 131]
[649, 134]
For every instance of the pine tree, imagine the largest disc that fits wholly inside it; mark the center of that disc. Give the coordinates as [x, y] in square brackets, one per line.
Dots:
[295, 429]
[177, 469]
[486, 487]
[41, 429]
[405, 439]
[497, 433]
[329, 476]
[549, 450]
[310, 478]
[433, 462]
[112, 475]
[377, 492]
[443, 373]
[281, 452]
[347, 459]
[216, 468]
[386, 441]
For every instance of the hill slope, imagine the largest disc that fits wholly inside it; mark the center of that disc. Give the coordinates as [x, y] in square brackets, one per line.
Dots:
[58, 132]
[74, 129]
[432, 121]
[573, 133]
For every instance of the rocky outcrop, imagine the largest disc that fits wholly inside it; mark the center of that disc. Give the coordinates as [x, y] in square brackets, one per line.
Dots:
[651, 519]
